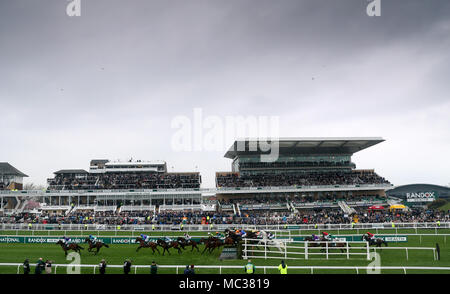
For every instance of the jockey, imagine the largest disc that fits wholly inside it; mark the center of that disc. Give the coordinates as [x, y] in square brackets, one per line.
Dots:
[243, 233]
[315, 237]
[371, 236]
[187, 237]
[93, 239]
[66, 241]
[167, 239]
[270, 236]
[326, 236]
[145, 238]
[220, 235]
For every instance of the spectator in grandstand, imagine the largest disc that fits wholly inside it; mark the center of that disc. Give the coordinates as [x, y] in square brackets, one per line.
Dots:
[153, 268]
[127, 266]
[102, 267]
[26, 267]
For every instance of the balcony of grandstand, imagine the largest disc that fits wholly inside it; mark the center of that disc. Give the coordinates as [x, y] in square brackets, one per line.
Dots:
[127, 175]
[298, 179]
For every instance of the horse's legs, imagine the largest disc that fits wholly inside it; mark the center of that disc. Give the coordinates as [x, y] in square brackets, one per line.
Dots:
[140, 246]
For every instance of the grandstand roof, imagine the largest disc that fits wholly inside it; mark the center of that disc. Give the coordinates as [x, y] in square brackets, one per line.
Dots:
[71, 171]
[307, 145]
[8, 169]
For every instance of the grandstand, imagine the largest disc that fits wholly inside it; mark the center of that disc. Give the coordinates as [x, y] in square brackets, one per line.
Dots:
[308, 173]
[313, 179]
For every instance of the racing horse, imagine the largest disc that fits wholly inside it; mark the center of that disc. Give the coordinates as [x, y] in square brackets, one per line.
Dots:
[186, 243]
[322, 243]
[268, 242]
[71, 246]
[377, 241]
[166, 246]
[97, 245]
[211, 244]
[143, 244]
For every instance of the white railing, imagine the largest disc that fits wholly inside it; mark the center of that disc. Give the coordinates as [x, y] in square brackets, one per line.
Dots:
[220, 268]
[105, 208]
[306, 248]
[180, 207]
[280, 227]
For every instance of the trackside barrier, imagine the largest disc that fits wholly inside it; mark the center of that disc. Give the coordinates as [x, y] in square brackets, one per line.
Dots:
[222, 267]
[206, 227]
[307, 252]
[281, 247]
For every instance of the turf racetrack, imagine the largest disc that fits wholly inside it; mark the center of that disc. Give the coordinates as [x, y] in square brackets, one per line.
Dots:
[117, 253]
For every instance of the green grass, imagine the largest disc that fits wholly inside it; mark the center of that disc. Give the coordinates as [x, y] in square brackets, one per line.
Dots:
[16, 253]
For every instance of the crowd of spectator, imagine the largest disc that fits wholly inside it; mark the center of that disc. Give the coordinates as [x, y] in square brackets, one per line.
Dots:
[294, 164]
[298, 179]
[254, 217]
[109, 181]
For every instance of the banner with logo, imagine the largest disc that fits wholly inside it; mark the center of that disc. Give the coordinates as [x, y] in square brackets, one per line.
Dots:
[77, 240]
[395, 239]
[421, 196]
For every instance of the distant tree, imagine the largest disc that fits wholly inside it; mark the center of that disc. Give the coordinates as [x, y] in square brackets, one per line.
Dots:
[33, 186]
[437, 203]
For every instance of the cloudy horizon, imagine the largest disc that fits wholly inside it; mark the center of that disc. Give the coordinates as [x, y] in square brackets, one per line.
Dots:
[109, 83]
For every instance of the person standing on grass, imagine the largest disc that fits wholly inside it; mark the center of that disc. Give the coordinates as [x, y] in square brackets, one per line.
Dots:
[249, 267]
[48, 266]
[187, 271]
[127, 267]
[192, 269]
[102, 267]
[26, 267]
[282, 268]
[39, 266]
[153, 268]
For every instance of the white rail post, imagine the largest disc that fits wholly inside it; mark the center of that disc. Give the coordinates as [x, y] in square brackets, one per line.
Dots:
[93, 272]
[406, 253]
[348, 251]
[326, 246]
[285, 251]
[306, 250]
[56, 266]
[265, 250]
[18, 269]
[368, 250]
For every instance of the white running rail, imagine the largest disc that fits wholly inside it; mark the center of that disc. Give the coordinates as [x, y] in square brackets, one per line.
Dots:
[177, 268]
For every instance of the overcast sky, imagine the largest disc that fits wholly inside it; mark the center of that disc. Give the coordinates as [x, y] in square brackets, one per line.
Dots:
[109, 83]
